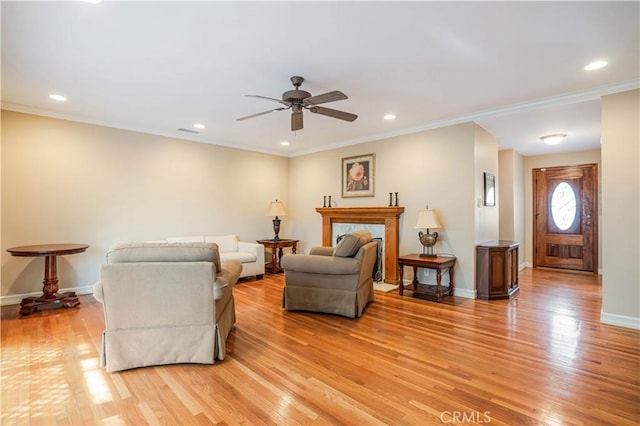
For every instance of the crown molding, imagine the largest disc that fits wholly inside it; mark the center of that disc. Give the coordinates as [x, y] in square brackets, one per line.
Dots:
[565, 99]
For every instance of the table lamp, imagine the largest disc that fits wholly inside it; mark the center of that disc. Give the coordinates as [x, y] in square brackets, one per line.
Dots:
[428, 219]
[276, 208]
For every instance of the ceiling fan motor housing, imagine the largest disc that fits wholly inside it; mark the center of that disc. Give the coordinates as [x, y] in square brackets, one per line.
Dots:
[295, 96]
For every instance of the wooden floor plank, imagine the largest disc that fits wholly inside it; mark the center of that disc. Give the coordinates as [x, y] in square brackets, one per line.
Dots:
[541, 358]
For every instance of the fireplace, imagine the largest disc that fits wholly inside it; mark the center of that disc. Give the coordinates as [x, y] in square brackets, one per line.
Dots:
[339, 230]
[387, 216]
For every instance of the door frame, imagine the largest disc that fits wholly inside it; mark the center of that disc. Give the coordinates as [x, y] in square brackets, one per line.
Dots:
[594, 218]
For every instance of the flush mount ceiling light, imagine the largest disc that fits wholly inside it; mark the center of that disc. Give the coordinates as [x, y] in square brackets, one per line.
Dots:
[199, 126]
[553, 139]
[596, 65]
[389, 117]
[57, 97]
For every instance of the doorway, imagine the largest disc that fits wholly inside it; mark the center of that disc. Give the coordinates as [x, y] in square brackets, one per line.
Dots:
[565, 217]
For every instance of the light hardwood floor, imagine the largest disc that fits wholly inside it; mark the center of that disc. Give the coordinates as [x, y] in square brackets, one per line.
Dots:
[542, 358]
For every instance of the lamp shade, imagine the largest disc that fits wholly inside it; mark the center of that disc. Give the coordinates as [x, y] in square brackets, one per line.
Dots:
[427, 219]
[276, 208]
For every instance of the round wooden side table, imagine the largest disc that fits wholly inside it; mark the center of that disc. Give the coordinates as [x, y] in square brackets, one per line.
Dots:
[50, 297]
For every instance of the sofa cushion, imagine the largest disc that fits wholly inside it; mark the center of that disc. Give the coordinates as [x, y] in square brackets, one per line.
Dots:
[240, 256]
[226, 243]
[351, 243]
[164, 252]
[196, 239]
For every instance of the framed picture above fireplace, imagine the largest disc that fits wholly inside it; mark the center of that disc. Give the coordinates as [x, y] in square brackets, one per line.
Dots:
[358, 176]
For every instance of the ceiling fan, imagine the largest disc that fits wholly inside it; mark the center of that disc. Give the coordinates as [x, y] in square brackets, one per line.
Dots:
[296, 100]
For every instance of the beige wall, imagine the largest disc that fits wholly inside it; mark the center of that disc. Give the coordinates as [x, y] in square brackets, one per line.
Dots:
[512, 223]
[441, 168]
[564, 159]
[64, 181]
[486, 160]
[621, 208]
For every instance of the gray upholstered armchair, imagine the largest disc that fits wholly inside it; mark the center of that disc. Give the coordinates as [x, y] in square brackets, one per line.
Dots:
[332, 280]
[165, 303]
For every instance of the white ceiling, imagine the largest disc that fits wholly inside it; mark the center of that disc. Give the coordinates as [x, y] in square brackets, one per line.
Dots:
[516, 68]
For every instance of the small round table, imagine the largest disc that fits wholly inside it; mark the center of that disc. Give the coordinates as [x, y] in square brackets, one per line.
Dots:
[50, 297]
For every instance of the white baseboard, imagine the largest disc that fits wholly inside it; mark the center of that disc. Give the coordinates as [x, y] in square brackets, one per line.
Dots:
[465, 292]
[620, 320]
[15, 299]
[525, 265]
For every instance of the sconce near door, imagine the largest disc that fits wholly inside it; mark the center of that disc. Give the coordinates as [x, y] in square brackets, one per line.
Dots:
[276, 209]
[428, 219]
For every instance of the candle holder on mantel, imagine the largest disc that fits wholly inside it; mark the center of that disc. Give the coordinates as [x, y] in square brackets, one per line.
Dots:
[391, 204]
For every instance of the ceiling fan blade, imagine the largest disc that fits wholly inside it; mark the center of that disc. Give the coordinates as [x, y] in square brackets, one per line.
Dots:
[270, 99]
[259, 114]
[336, 95]
[296, 120]
[347, 116]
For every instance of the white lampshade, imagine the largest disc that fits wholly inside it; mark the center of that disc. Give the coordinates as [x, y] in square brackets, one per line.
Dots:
[428, 219]
[276, 208]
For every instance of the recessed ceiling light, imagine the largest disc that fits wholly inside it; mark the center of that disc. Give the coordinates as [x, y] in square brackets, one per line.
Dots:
[596, 65]
[199, 126]
[284, 143]
[57, 97]
[553, 139]
[389, 117]
[94, 1]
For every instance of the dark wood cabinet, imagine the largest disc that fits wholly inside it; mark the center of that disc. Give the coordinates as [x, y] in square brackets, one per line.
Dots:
[497, 270]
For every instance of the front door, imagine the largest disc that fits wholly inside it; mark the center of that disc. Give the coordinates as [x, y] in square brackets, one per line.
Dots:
[565, 217]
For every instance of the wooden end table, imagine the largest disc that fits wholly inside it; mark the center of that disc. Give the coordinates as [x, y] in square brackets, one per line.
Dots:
[439, 263]
[50, 297]
[276, 247]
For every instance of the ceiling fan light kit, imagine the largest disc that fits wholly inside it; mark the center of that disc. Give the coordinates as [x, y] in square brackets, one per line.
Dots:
[298, 100]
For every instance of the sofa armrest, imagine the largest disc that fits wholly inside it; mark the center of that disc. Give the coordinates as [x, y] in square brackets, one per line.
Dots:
[253, 248]
[326, 265]
[322, 251]
[98, 292]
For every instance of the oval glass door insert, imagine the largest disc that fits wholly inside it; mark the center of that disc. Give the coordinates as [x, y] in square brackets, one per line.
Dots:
[563, 206]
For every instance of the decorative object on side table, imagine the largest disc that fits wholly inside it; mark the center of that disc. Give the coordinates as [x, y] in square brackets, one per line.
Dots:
[428, 219]
[358, 176]
[276, 209]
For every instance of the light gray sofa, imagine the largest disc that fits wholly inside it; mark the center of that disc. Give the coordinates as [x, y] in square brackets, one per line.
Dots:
[250, 255]
[332, 280]
[165, 303]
